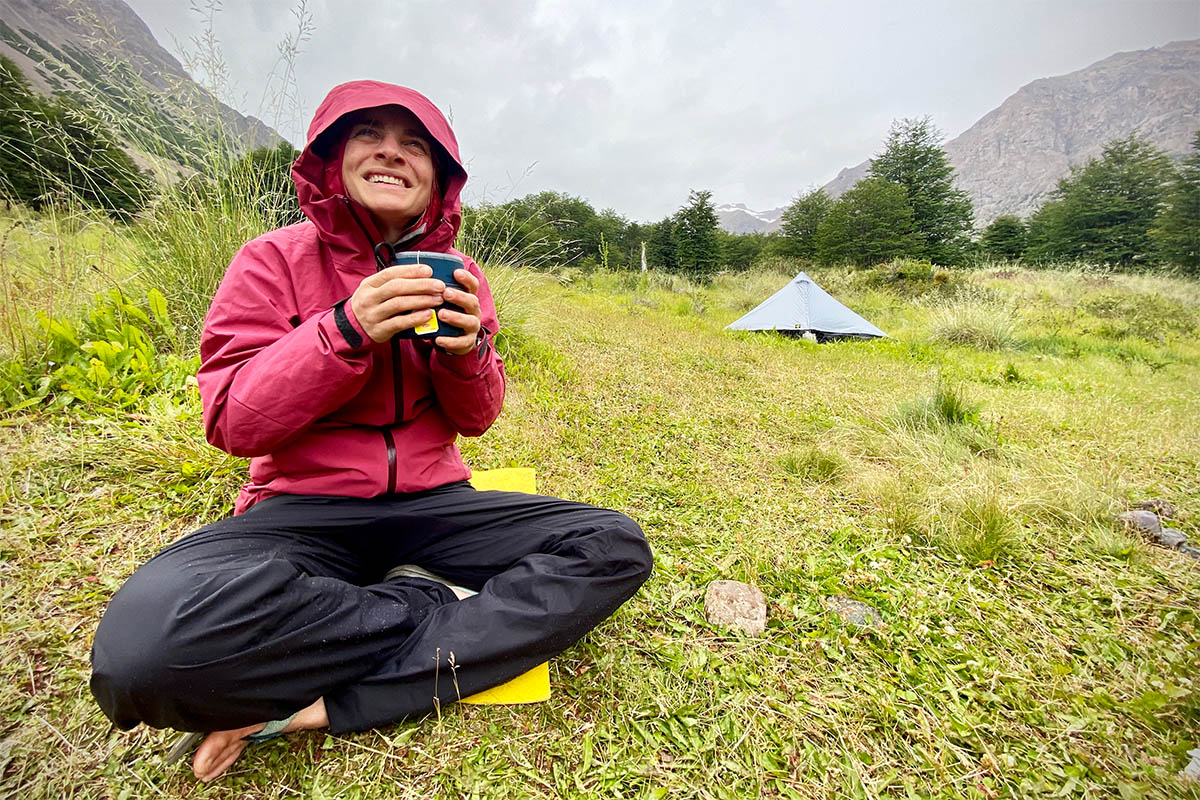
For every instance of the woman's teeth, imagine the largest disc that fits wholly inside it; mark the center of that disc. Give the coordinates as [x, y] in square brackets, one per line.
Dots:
[385, 179]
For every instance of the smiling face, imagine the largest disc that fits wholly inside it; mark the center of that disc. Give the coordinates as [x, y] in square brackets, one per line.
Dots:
[387, 166]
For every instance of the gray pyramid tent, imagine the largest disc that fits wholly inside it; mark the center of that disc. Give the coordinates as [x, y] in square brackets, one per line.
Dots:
[803, 307]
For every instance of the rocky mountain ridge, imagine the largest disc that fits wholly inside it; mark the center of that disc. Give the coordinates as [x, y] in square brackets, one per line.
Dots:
[737, 218]
[1012, 158]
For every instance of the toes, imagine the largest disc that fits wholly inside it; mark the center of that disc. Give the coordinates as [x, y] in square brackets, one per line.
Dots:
[228, 756]
[218, 751]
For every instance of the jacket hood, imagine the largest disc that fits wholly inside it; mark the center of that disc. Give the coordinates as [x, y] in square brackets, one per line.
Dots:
[343, 223]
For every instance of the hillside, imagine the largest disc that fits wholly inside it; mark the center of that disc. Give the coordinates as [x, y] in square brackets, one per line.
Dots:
[101, 51]
[1012, 158]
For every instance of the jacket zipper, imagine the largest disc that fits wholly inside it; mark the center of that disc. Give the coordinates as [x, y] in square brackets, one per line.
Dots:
[397, 377]
[390, 441]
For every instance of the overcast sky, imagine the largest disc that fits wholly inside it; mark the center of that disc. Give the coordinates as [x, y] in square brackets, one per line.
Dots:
[631, 103]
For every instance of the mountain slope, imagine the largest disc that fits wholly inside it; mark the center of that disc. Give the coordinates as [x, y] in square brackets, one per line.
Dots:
[1012, 158]
[100, 51]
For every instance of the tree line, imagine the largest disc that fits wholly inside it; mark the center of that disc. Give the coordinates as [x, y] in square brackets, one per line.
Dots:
[1130, 207]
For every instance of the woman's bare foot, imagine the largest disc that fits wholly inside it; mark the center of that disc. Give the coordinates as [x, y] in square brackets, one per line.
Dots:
[220, 749]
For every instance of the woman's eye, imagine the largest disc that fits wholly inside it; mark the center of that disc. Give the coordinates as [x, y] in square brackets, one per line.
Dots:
[370, 133]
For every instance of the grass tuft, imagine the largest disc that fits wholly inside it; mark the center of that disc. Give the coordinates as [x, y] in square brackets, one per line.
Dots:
[947, 406]
[981, 531]
[974, 324]
[814, 465]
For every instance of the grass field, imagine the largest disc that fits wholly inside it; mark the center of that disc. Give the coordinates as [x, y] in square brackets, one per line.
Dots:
[959, 477]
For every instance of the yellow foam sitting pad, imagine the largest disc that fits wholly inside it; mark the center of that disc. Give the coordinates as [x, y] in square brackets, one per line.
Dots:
[534, 685]
[510, 479]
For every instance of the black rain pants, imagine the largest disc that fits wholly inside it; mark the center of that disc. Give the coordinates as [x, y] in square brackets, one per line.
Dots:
[256, 616]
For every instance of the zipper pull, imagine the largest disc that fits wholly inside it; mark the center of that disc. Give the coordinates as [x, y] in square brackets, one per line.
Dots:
[385, 254]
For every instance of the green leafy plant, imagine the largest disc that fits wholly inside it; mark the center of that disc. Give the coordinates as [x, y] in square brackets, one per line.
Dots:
[109, 362]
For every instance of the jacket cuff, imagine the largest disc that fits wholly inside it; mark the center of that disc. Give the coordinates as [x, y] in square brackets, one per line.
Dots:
[471, 363]
[348, 327]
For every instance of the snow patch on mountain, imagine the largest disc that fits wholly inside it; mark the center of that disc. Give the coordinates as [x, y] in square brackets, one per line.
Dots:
[740, 218]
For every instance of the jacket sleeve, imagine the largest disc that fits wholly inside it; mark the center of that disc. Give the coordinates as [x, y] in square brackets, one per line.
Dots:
[265, 375]
[470, 388]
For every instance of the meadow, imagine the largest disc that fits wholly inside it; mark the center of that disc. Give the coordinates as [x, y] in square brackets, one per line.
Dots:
[960, 477]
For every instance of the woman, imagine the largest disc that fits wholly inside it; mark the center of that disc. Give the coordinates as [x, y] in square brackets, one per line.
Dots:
[285, 616]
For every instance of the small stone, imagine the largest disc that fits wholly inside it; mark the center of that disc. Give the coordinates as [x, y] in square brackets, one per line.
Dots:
[737, 605]
[1158, 506]
[1188, 550]
[1141, 521]
[1171, 537]
[854, 612]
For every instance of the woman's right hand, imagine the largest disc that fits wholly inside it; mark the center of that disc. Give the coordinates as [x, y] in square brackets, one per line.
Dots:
[395, 299]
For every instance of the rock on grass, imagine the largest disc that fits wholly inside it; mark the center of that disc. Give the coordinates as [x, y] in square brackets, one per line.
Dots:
[737, 605]
[854, 612]
[1146, 522]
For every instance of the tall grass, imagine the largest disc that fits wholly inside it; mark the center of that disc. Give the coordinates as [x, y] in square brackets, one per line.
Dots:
[51, 265]
[189, 235]
[206, 200]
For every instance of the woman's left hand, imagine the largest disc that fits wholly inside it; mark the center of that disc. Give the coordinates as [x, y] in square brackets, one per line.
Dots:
[468, 320]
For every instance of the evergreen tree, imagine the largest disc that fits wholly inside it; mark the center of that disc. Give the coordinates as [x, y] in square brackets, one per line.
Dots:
[660, 246]
[1103, 211]
[1176, 231]
[1004, 238]
[740, 250]
[800, 223]
[869, 224]
[914, 159]
[697, 249]
[18, 120]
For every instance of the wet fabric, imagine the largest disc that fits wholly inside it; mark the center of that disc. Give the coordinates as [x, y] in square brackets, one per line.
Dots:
[258, 615]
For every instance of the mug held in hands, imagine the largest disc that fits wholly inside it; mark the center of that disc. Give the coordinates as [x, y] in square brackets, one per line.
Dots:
[443, 266]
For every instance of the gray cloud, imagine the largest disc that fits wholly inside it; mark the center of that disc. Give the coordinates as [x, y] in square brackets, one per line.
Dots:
[631, 104]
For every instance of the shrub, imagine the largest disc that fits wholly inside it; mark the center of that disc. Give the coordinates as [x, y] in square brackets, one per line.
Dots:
[1005, 238]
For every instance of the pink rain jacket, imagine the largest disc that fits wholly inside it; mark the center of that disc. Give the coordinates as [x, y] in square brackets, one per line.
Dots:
[289, 377]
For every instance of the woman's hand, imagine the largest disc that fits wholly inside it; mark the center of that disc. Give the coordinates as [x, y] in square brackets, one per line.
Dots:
[398, 298]
[468, 319]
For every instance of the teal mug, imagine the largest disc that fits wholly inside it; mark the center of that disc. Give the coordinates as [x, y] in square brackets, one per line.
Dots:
[443, 266]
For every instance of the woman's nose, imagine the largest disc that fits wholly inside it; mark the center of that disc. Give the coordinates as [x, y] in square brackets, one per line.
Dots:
[390, 149]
